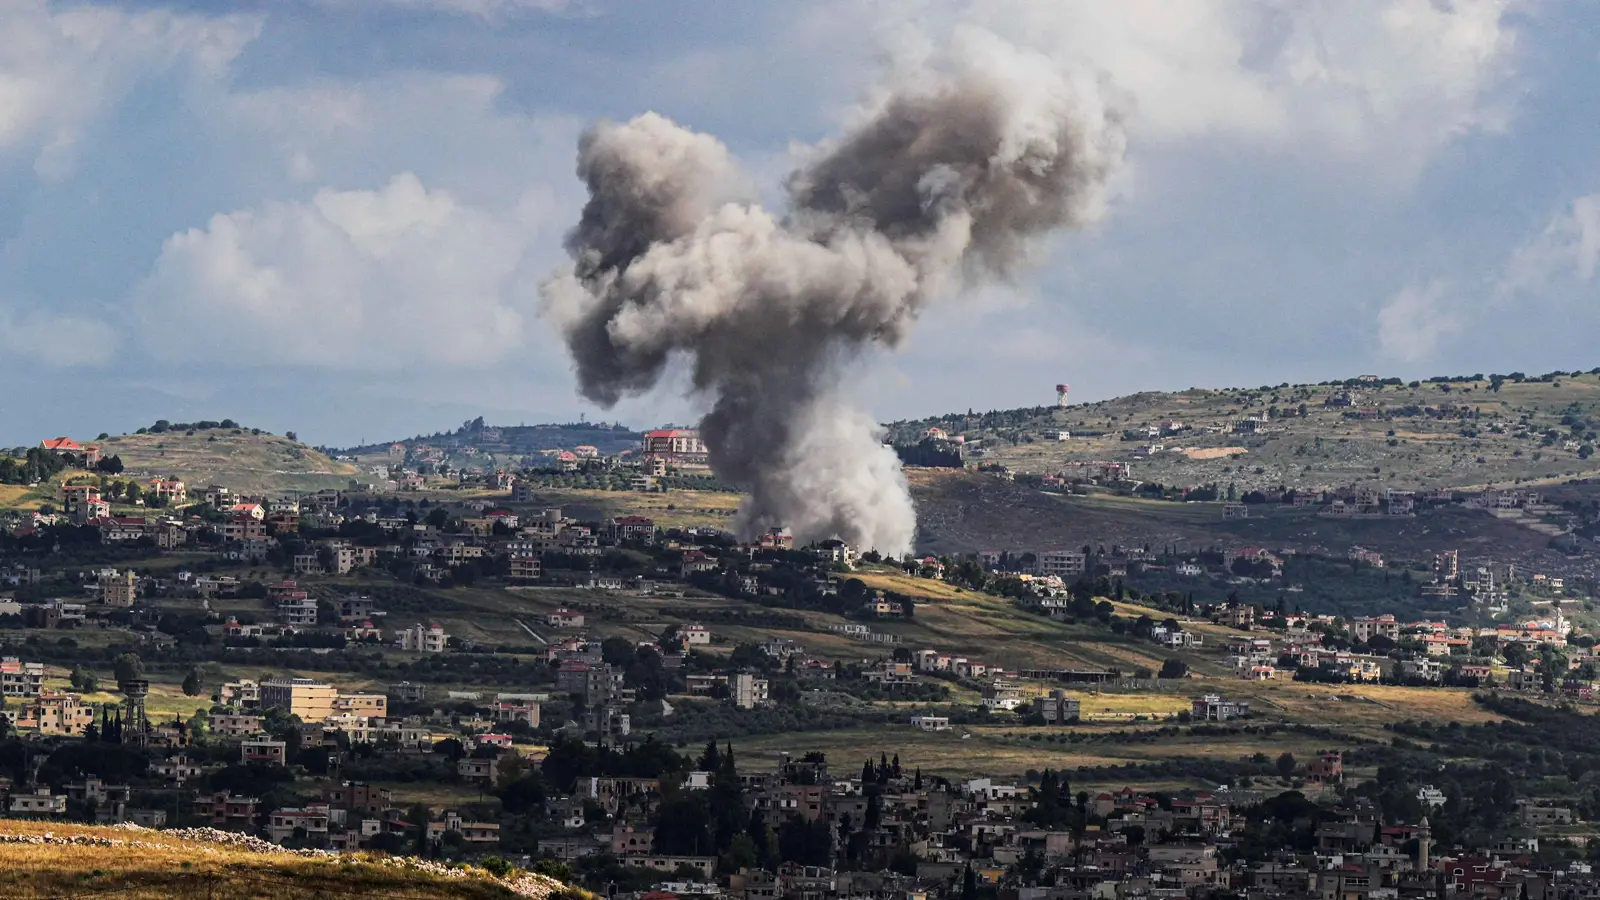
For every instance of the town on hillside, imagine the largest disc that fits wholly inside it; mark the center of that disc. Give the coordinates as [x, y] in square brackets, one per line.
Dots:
[441, 662]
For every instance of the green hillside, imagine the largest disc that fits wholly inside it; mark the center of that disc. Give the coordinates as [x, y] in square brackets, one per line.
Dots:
[961, 511]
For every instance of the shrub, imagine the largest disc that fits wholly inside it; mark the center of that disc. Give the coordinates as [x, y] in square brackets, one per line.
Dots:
[553, 868]
[498, 867]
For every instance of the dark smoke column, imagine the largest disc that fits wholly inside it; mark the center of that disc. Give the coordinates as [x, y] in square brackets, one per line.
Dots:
[937, 189]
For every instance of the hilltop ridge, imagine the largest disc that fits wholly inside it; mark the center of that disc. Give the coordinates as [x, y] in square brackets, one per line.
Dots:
[1457, 432]
[238, 457]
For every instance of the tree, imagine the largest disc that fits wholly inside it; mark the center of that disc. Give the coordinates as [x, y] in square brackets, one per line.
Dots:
[134, 493]
[1174, 668]
[1286, 765]
[193, 685]
[128, 668]
[616, 651]
[1515, 655]
[1553, 666]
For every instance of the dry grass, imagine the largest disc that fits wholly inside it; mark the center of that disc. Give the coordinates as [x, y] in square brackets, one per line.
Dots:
[1213, 452]
[1009, 751]
[921, 588]
[16, 496]
[163, 867]
[669, 509]
[245, 461]
[1362, 709]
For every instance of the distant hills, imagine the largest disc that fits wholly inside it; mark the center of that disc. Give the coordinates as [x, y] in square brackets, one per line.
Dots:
[518, 440]
[1458, 432]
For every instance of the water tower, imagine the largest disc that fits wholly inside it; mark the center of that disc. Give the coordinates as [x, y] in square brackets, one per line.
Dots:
[1061, 395]
[134, 722]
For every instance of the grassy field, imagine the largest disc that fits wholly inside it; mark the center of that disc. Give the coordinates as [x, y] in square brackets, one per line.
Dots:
[669, 509]
[974, 751]
[1363, 709]
[151, 865]
[19, 496]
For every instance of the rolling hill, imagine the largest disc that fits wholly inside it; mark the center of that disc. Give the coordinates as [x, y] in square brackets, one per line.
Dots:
[236, 457]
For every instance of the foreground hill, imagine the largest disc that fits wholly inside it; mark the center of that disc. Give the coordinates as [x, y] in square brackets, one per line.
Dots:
[49, 859]
[236, 457]
[1459, 433]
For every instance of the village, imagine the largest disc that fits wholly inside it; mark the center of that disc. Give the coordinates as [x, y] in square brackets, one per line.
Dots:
[559, 760]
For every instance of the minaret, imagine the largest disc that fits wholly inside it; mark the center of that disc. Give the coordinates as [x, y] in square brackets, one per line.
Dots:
[1424, 838]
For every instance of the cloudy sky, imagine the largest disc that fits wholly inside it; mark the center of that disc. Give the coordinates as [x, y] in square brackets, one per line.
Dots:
[333, 216]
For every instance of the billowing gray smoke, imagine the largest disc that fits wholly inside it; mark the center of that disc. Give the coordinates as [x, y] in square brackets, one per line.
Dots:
[941, 185]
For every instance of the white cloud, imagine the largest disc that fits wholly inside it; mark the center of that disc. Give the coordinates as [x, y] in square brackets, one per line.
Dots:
[1568, 248]
[1355, 78]
[450, 129]
[1413, 323]
[490, 10]
[55, 341]
[362, 280]
[62, 67]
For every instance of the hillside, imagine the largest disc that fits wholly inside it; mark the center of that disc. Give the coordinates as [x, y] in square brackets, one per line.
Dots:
[53, 859]
[962, 511]
[235, 457]
[508, 442]
[1458, 433]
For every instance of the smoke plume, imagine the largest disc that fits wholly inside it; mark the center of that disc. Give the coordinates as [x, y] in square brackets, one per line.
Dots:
[940, 186]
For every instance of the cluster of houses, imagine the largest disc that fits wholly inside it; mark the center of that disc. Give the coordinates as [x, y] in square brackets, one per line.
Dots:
[994, 835]
[1431, 650]
[348, 816]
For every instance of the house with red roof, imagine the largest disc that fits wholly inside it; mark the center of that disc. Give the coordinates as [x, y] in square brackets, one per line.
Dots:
[502, 516]
[676, 444]
[253, 510]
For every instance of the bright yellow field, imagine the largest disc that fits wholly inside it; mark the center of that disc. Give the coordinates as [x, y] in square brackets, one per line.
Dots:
[925, 588]
[150, 865]
[1359, 706]
[12, 496]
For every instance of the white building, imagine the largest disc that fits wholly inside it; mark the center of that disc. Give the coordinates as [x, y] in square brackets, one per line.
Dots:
[747, 691]
[420, 639]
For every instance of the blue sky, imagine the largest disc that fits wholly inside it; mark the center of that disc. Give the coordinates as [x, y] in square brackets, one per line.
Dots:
[333, 216]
